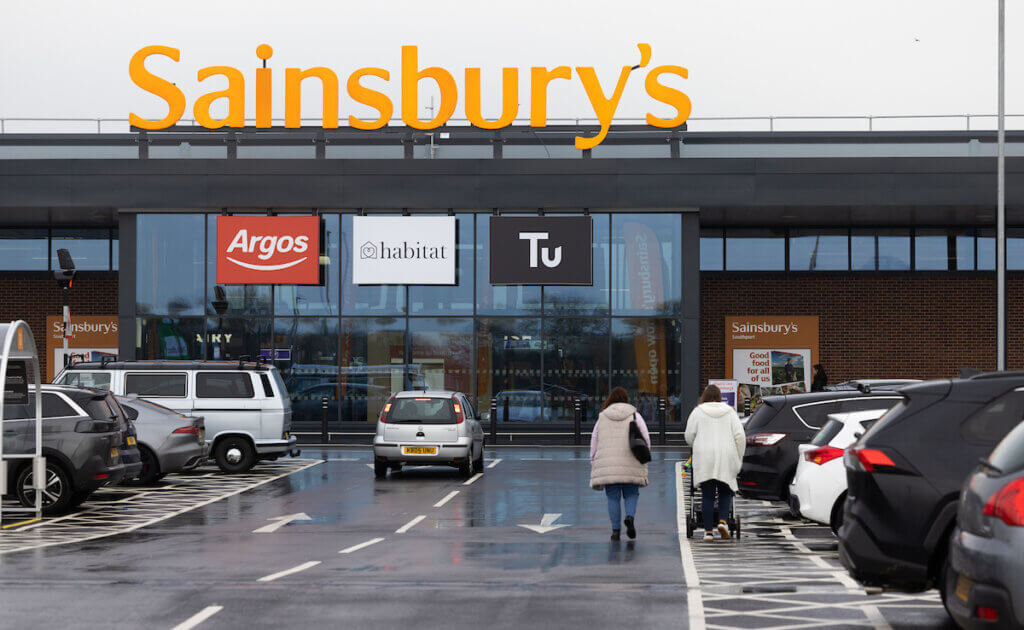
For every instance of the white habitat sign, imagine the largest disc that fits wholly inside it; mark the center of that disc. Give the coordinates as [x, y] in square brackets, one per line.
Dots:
[403, 250]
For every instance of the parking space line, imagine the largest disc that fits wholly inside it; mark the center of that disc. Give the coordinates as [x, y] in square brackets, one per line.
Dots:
[370, 466]
[362, 545]
[694, 600]
[410, 524]
[494, 463]
[451, 495]
[199, 617]
[473, 478]
[281, 574]
[28, 522]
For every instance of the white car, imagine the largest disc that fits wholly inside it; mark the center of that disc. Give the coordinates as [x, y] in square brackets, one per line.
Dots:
[819, 485]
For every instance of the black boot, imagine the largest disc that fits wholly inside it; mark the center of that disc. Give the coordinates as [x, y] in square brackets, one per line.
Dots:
[615, 535]
[630, 528]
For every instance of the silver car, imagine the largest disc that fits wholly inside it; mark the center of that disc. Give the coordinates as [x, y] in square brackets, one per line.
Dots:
[985, 582]
[169, 442]
[428, 428]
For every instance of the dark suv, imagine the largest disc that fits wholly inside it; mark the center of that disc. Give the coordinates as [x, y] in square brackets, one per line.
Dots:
[782, 423]
[81, 443]
[906, 472]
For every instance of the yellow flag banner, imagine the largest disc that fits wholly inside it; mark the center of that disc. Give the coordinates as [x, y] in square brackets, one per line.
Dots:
[646, 291]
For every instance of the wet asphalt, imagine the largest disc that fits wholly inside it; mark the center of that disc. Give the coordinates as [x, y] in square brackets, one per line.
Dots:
[465, 564]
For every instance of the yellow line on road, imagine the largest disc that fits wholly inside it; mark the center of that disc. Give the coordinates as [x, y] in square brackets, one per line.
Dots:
[28, 522]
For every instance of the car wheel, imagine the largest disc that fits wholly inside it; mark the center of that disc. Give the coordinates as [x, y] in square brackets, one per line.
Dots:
[150, 472]
[479, 462]
[380, 470]
[235, 455]
[466, 469]
[835, 521]
[945, 569]
[56, 495]
[78, 498]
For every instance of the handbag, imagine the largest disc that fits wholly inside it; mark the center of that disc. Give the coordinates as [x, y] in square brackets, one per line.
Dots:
[637, 443]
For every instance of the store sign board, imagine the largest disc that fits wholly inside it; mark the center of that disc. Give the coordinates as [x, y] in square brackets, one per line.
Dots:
[16, 383]
[93, 337]
[771, 354]
[542, 250]
[268, 250]
[403, 250]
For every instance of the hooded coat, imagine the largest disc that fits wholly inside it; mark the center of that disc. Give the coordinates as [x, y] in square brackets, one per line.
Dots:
[716, 436]
[613, 461]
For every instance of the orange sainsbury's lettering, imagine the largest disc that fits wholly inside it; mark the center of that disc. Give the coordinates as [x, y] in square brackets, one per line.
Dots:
[604, 99]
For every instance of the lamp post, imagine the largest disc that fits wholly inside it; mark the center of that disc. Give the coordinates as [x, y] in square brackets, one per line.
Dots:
[65, 276]
[1001, 198]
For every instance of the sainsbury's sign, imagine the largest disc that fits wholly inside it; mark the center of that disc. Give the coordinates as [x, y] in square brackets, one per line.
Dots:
[604, 99]
[268, 250]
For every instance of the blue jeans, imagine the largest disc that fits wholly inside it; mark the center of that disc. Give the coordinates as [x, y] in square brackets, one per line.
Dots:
[707, 509]
[630, 492]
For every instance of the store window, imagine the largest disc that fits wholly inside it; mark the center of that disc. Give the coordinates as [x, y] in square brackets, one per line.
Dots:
[964, 244]
[23, 250]
[508, 368]
[380, 299]
[931, 249]
[305, 351]
[232, 338]
[880, 249]
[755, 249]
[818, 250]
[646, 360]
[986, 249]
[444, 299]
[231, 299]
[89, 248]
[1014, 249]
[169, 338]
[712, 250]
[300, 300]
[442, 351]
[575, 366]
[493, 299]
[372, 360]
[646, 264]
[589, 300]
[171, 264]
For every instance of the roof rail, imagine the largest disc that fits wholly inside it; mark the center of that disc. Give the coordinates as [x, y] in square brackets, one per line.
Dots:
[1003, 374]
[242, 359]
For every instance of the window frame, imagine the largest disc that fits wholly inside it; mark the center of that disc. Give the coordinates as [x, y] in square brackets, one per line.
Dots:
[127, 374]
[248, 379]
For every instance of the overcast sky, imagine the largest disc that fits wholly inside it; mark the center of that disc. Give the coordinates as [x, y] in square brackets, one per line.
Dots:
[745, 57]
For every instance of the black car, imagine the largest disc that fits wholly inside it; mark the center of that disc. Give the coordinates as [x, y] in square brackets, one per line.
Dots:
[81, 444]
[780, 424]
[905, 474]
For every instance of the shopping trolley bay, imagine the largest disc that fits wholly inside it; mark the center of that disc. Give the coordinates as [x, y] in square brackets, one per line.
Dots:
[524, 542]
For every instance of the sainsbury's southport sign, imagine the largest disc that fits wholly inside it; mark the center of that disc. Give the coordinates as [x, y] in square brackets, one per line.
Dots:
[604, 99]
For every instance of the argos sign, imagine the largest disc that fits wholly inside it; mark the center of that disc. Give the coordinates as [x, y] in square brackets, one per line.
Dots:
[268, 250]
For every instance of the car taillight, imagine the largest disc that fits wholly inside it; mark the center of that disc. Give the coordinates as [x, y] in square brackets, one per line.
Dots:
[765, 439]
[189, 429]
[1008, 504]
[385, 410]
[873, 460]
[987, 613]
[458, 414]
[823, 455]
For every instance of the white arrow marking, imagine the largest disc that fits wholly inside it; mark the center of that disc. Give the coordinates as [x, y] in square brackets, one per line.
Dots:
[281, 521]
[546, 524]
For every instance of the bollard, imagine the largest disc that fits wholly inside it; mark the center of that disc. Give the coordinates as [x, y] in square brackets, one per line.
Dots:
[494, 420]
[506, 405]
[577, 418]
[325, 437]
[349, 414]
[661, 421]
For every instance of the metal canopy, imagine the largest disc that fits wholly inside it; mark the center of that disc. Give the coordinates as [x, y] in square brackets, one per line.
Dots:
[18, 345]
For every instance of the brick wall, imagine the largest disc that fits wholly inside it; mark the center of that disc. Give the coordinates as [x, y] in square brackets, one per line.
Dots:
[873, 326]
[32, 297]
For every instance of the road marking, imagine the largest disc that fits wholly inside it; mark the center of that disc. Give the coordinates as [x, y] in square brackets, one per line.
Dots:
[281, 574]
[473, 478]
[198, 618]
[494, 463]
[815, 559]
[362, 545]
[547, 524]
[370, 466]
[29, 521]
[694, 600]
[410, 524]
[281, 521]
[451, 495]
[875, 616]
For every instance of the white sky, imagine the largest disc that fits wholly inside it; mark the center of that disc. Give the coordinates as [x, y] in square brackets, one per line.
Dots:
[62, 58]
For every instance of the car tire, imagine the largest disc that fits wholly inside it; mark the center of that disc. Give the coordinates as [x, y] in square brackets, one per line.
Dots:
[479, 462]
[835, 521]
[943, 577]
[235, 455]
[150, 472]
[380, 470]
[466, 470]
[57, 497]
[80, 497]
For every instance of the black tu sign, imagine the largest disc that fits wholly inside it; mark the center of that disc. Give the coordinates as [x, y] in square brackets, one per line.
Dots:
[542, 250]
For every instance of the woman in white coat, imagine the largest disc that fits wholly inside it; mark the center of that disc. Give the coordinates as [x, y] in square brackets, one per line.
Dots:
[716, 438]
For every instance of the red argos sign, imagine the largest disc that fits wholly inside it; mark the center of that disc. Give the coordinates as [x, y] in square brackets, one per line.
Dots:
[268, 250]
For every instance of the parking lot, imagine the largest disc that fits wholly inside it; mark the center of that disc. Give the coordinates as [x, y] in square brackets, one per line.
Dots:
[318, 541]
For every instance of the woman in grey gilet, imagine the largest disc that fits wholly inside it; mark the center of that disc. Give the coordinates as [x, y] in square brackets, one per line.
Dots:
[613, 468]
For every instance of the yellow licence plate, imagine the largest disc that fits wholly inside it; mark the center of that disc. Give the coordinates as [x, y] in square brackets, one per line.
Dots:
[963, 588]
[131, 441]
[419, 450]
[113, 453]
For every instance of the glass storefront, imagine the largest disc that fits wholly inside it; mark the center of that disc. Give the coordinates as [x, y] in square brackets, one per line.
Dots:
[532, 351]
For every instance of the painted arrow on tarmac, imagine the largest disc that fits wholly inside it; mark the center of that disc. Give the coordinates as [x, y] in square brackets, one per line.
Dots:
[281, 521]
[546, 524]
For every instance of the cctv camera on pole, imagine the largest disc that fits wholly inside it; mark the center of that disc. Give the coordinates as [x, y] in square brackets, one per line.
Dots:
[65, 276]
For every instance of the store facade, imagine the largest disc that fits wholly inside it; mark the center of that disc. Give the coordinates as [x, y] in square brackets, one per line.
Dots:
[686, 229]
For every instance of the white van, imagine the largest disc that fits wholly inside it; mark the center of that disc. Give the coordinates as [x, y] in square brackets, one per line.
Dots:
[246, 406]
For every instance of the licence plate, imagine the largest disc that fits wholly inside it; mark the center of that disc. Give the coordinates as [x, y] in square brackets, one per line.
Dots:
[286, 436]
[419, 450]
[113, 453]
[963, 588]
[131, 441]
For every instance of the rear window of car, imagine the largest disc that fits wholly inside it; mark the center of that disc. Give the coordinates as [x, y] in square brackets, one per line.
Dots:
[995, 420]
[223, 385]
[53, 407]
[422, 411]
[1008, 456]
[98, 380]
[829, 431]
[815, 415]
[169, 385]
[764, 414]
